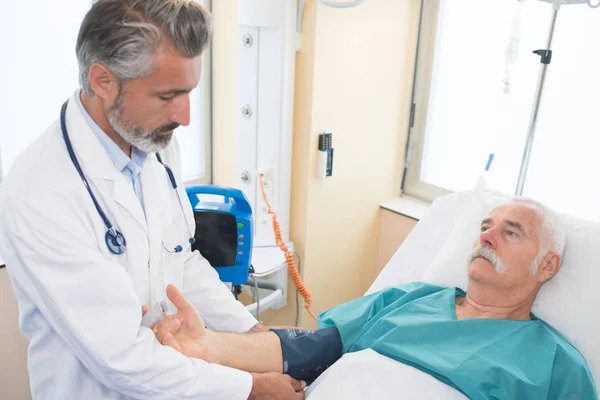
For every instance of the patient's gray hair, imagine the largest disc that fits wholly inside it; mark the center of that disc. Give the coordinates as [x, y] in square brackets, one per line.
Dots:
[551, 232]
[123, 35]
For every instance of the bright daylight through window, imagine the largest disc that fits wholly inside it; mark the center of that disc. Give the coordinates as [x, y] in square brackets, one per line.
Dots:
[475, 87]
[43, 74]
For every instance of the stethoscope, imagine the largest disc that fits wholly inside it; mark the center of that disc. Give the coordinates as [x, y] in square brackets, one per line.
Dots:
[115, 241]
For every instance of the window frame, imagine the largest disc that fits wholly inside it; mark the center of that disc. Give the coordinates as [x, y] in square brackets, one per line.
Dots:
[424, 62]
[412, 185]
[207, 77]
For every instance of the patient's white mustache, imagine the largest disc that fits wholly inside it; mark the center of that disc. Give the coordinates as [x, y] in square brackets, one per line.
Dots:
[490, 255]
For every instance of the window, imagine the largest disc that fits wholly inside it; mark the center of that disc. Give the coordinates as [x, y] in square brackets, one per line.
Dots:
[39, 71]
[195, 139]
[463, 112]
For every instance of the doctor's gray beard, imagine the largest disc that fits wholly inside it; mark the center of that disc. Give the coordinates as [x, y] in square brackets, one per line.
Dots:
[148, 142]
[490, 255]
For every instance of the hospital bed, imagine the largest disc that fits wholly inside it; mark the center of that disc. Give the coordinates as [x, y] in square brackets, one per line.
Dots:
[436, 252]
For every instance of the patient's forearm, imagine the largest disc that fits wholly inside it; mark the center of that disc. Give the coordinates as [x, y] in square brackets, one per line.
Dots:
[256, 352]
[301, 354]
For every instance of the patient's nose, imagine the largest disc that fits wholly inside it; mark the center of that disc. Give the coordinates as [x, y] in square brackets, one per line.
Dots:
[487, 238]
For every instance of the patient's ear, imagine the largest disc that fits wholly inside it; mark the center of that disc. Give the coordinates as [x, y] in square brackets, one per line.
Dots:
[549, 266]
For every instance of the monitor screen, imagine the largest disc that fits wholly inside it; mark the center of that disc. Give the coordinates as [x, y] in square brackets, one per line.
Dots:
[216, 237]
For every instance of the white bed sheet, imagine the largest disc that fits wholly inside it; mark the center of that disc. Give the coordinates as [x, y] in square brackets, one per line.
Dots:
[367, 374]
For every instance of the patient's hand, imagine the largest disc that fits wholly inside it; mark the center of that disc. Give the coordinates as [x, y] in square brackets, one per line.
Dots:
[184, 331]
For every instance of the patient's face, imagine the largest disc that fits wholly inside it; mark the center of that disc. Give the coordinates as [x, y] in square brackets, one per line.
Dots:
[510, 243]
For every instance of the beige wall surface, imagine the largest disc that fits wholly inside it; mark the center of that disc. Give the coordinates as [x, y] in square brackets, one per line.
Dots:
[393, 229]
[14, 379]
[354, 79]
[224, 64]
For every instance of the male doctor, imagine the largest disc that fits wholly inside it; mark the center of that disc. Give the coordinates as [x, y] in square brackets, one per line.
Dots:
[93, 225]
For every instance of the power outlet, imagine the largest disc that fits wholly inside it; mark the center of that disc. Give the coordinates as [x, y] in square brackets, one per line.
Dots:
[267, 174]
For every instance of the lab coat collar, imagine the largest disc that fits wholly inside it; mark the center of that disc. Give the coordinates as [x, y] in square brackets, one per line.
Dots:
[97, 164]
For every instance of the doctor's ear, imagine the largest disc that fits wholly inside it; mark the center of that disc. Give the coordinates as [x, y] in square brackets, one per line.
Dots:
[103, 82]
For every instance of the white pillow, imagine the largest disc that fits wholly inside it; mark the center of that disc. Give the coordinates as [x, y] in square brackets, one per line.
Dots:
[436, 252]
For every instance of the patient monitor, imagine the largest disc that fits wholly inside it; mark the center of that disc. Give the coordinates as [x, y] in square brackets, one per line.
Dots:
[224, 230]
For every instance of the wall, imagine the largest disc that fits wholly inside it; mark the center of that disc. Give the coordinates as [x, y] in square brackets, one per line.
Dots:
[354, 78]
[393, 229]
[14, 379]
[303, 100]
[362, 81]
[224, 63]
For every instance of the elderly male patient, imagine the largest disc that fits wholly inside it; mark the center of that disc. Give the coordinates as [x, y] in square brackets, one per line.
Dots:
[486, 343]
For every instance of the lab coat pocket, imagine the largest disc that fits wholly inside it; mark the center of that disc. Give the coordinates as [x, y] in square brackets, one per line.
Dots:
[175, 244]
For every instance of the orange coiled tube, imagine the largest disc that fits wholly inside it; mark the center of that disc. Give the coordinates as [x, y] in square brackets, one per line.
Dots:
[291, 263]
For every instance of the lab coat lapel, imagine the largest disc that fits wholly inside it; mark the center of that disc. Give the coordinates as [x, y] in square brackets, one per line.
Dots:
[156, 186]
[124, 195]
[97, 165]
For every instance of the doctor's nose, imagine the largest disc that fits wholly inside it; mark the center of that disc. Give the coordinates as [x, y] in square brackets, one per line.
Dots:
[487, 238]
[181, 110]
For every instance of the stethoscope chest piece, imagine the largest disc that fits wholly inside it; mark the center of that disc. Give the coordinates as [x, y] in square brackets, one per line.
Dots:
[115, 241]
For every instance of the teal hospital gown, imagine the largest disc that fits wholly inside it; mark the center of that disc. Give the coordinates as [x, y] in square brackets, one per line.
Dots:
[416, 324]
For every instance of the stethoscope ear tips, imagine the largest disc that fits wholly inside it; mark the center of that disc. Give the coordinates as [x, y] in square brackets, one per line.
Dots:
[192, 240]
[178, 249]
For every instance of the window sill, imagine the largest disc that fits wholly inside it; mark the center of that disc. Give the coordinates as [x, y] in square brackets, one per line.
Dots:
[408, 206]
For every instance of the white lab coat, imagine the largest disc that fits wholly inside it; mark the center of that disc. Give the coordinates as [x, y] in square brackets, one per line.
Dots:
[80, 305]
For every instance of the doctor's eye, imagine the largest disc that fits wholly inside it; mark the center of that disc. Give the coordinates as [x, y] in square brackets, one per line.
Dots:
[484, 228]
[166, 98]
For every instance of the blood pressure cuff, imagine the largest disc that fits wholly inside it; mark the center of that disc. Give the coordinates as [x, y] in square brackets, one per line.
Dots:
[307, 354]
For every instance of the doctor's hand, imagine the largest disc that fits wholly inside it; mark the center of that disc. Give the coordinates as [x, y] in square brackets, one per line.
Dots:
[184, 331]
[272, 385]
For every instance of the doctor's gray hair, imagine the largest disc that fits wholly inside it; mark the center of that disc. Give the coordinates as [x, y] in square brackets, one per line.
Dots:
[551, 232]
[123, 35]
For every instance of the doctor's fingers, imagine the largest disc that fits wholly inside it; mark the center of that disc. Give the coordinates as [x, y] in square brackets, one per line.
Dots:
[169, 324]
[299, 395]
[145, 309]
[171, 342]
[297, 385]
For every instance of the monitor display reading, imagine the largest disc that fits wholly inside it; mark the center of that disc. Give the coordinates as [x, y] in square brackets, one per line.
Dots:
[216, 237]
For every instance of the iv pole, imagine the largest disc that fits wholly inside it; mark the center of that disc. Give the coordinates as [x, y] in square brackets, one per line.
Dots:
[546, 58]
